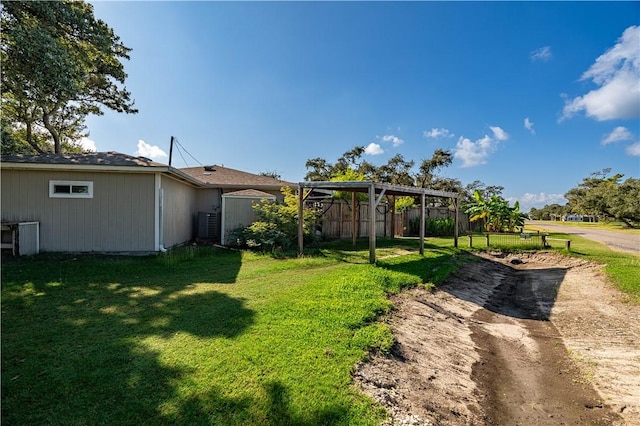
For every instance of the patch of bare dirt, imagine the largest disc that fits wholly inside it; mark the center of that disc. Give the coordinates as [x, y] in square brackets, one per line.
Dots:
[538, 339]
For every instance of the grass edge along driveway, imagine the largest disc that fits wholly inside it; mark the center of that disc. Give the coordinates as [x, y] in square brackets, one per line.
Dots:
[202, 337]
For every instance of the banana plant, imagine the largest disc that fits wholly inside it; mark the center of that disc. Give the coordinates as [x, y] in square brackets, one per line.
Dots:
[496, 214]
[478, 209]
[516, 218]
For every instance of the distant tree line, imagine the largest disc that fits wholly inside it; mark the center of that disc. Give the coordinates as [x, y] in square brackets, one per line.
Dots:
[600, 194]
[550, 212]
[399, 171]
[483, 203]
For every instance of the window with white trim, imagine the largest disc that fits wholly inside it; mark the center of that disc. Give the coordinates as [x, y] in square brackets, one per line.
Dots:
[70, 189]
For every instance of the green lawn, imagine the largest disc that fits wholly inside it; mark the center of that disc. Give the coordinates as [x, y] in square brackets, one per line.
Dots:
[199, 336]
[213, 337]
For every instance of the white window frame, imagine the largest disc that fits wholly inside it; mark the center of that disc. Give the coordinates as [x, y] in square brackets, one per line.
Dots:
[71, 184]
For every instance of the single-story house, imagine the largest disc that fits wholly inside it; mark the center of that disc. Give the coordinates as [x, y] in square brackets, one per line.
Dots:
[109, 202]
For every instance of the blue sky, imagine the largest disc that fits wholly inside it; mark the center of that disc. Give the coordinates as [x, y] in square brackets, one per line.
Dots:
[531, 96]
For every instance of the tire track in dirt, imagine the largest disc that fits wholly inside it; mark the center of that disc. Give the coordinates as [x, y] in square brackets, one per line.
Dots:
[488, 347]
[526, 375]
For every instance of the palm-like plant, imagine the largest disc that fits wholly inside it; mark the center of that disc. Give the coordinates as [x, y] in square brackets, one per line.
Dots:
[478, 209]
[516, 217]
[495, 213]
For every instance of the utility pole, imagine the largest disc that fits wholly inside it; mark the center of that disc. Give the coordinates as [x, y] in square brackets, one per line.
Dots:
[171, 150]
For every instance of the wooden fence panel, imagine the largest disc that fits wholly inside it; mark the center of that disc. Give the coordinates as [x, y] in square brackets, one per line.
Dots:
[337, 220]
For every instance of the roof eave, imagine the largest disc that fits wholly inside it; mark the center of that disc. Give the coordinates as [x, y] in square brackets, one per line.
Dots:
[83, 167]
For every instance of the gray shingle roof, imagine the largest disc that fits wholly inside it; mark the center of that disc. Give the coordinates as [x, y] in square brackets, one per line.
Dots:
[91, 158]
[215, 176]
[218, 175]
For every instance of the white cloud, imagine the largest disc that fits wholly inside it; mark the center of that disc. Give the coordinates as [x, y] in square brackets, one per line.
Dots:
[617, 72]
[391, 138]
[373, 149]
[87, 144]
[436, 133]
[149, 151]
[541, 54]
[528, 124]
[539, 200]
[474, 153]
[634, 150]
[620, 133]
[499, 134]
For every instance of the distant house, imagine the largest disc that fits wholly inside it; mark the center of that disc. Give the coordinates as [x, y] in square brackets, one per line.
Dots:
[109, 202]
[572, 217]
[579, 218]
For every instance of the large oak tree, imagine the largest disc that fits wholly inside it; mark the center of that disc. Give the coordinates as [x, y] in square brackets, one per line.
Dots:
[59, 64]
[608, 197]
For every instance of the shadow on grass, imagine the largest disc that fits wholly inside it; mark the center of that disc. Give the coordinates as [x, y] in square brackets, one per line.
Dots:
[434, 267]
[280, 411]
[82, 338]
[345, 251]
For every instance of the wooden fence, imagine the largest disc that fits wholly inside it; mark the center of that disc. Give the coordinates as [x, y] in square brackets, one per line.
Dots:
[337, 219]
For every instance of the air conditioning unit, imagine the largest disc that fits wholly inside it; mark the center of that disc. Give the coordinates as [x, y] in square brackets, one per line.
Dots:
[22, 238]
[209, 226]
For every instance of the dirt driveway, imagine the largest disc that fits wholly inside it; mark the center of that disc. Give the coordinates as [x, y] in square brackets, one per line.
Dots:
[615, 240]
[539, 339]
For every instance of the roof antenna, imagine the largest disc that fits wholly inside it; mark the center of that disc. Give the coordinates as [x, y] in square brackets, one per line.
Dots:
[170, 151]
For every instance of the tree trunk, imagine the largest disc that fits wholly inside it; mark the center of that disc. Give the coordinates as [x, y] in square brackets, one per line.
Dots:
[46, 119]
[30, 141]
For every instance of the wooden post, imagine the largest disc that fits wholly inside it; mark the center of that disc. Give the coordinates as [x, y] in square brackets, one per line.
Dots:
[455, 226]
[300, 220]
[354, 231]
[568, 245]
[393, 216]
[487, 234]
[470, 241]
[372, 224]
[422, 202]
[544, 241]
[340, 219]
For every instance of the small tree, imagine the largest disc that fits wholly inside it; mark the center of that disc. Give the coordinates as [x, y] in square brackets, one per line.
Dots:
[495, 213]
[345, 176]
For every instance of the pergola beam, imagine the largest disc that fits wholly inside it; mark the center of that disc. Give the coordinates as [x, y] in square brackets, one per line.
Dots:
[363, 186]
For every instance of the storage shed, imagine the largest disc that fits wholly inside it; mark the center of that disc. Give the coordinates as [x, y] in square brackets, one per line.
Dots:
[238, 211]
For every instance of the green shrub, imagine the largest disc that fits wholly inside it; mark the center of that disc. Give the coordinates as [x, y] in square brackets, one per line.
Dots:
[277, 225]
[438, 227]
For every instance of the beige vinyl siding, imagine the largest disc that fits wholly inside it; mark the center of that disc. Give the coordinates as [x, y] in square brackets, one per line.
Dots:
[238, 212]
[179, 208]
[119, 217]
[209, 200]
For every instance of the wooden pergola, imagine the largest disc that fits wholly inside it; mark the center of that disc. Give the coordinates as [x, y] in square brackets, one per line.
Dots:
[375, 191]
